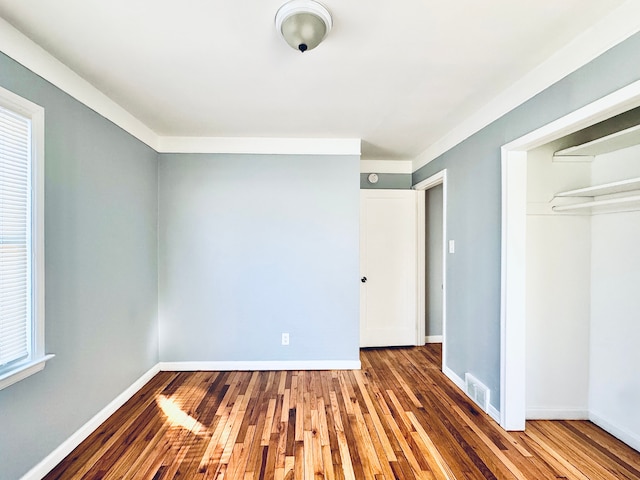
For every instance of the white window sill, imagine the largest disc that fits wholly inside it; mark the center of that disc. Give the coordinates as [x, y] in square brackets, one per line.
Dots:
[23, 371]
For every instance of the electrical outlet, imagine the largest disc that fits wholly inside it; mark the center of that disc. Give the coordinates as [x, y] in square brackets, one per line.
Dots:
[285, 339]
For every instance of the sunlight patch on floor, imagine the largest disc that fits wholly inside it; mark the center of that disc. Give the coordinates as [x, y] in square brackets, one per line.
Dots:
[178, 418]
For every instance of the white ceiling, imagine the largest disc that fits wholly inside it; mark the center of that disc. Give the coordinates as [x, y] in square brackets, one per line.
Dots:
[397, 74]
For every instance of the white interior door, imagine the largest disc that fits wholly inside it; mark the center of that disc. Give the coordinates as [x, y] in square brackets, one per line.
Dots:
[388, 265]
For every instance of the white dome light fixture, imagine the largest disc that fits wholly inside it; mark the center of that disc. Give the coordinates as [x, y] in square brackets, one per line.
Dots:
[303, 23]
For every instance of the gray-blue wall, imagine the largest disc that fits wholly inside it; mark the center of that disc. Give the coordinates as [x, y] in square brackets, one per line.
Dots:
[474, 204]
[252, 246]
[393, 181]
[101, 274]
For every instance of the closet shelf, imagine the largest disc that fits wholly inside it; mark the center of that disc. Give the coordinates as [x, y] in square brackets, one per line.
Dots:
[607, 144]
[598, 203]
[621, 186]
[631, 185]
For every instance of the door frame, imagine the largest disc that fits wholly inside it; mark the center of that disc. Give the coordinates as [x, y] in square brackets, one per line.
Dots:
[513, 255]
[439, 178]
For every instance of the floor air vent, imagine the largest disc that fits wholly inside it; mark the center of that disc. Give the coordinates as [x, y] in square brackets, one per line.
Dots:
[477, 391]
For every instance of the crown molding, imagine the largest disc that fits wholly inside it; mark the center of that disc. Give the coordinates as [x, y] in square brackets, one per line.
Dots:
[386, 166]
[610, 31]
[613, 29]
[26, 52]
[258, 145]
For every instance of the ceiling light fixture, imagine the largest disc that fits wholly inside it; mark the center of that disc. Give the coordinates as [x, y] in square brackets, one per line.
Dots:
[303, 23]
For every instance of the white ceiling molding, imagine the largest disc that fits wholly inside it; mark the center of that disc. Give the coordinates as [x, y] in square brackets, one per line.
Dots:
[24, 51]
[610, 31]
[266, 146]
[386, 166]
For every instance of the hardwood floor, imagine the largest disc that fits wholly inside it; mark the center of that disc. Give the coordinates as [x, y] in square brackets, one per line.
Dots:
[399, 417]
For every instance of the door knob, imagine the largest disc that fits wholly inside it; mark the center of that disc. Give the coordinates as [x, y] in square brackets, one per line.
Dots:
[363, 279]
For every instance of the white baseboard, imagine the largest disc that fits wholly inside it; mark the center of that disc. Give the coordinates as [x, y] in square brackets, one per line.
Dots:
[630, 438]
[433, 339]
[557, 414]
[451, 375]
[494, 413]
[261, 365]
[66, 447]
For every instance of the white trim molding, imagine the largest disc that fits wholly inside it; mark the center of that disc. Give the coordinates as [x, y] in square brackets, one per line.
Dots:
[24, 371]
[494, 413]
[557, 413]
[228, 366]
[610, 31]
[433, 181]
[66, 447]
[259, 145]
[513, 282]
[29, 54]
[618, 431]
[453, 376]
[433, 339]
[37, 357]
[439, 178]
[421, 273]
[386, 166]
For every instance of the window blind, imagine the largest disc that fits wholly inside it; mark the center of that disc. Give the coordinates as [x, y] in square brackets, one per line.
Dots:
[15, 237]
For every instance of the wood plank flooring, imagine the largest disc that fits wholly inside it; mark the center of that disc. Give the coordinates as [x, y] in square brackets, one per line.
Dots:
[399, 417]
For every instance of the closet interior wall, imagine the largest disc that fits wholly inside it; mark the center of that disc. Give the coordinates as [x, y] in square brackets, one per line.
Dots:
[583, 301]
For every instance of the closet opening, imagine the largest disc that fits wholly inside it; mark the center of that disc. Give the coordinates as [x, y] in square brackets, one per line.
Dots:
[571, 221]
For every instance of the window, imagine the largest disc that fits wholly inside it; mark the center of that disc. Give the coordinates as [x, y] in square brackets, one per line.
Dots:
[21, 238]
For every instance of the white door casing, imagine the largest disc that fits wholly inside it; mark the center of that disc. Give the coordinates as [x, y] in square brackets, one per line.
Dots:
[388, 266]
[439, 178]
